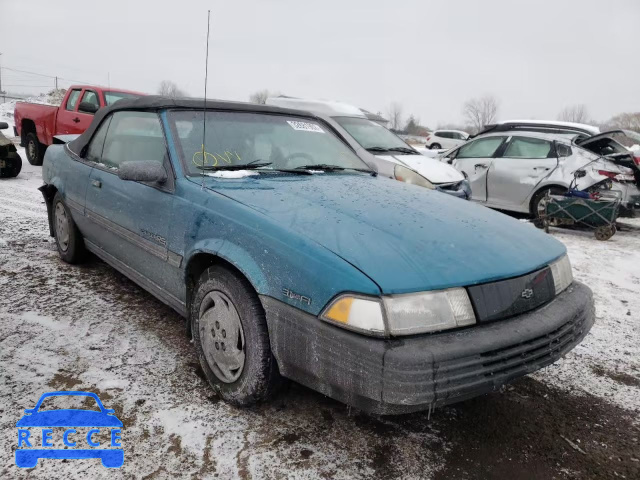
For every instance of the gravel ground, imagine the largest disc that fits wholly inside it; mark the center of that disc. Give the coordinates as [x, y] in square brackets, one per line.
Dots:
[87, 327]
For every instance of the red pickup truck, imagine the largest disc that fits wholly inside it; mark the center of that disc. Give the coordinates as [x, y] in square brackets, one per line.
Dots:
[36, 124]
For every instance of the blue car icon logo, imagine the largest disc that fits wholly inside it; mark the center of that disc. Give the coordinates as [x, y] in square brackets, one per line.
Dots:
[28, 452]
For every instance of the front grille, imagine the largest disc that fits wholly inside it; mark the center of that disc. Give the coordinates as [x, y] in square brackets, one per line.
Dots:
[507, 298]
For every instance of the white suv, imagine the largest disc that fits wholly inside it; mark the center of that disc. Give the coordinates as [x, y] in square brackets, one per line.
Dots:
[446, 139]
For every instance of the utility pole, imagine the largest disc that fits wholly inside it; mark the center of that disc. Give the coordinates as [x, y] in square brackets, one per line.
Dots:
[0, 73]
[56, 83]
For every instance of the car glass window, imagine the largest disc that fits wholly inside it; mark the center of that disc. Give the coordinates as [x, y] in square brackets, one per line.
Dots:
[90, 97]
[525, 147]
[438, 134]
[133, 136]
[563, 150]
[458, 136]
[112, 97]
[370, 134]
[481, 148]
[94, 151]
[237, 138]
[72, 100]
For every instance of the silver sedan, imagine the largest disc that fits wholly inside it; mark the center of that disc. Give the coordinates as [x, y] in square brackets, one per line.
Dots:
[514, 170]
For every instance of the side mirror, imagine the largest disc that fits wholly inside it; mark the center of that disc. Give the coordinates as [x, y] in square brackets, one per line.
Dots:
[88, 107]
[147, 171]
[4, 125]
[579, 173]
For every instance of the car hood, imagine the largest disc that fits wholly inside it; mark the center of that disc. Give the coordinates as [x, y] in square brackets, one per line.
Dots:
[433, 170]
[405, 238]
[69, 418]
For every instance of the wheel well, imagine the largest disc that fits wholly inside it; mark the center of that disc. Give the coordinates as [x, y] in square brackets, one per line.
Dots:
[28, 126]
[197, 264]
[48, 192]
[542, 189]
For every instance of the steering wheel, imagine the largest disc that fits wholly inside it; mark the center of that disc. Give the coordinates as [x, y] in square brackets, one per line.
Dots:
[308, 158]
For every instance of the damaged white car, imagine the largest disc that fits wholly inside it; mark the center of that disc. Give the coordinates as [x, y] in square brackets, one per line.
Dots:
[513, 170]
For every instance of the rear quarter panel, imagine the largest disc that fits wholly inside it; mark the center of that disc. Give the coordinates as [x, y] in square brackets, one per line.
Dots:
[43, 116]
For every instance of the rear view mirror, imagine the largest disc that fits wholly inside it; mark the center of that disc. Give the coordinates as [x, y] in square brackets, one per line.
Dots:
[4, 125]
[146, 171]
[87, 107]
[579, 173]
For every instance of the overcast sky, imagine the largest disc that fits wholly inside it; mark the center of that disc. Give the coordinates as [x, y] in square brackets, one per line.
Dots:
[536, 57]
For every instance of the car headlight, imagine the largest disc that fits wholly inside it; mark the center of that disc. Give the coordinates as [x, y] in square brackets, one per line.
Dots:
[407, 175]
[428, 311]
[406, 314]
[356, 313]
[562, 274]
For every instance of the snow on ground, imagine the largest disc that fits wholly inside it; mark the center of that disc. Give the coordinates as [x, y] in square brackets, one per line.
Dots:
[86, 327]
[611, 352]
[7, 108]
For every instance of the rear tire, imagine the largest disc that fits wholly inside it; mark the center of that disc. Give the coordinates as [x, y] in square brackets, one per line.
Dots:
[230, 334]
[68, 238]
[13, 170]
[435, 146]
[34, 149]
[537, 199]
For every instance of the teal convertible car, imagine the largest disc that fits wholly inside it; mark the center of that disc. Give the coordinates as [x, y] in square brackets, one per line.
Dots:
[290, 258]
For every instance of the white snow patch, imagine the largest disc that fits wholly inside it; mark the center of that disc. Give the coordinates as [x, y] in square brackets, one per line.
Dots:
[232, 174]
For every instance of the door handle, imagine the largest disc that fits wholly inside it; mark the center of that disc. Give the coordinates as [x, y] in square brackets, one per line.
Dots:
[76, 120]
[96, 183]
[481, 165]
[544, 168]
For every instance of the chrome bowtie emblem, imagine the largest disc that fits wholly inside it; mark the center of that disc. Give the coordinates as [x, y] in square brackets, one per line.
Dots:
[527, 293]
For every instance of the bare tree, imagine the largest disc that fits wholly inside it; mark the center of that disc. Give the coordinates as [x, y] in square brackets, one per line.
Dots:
[627, 121]
[574, 113]
[394, 112]
[480, 111]
[260, 96]
[169, 89]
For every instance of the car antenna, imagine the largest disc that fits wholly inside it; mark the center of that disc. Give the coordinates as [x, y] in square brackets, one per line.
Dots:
[204, 108]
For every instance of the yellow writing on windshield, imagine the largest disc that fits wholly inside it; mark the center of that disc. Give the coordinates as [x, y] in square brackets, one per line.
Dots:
[213, 159]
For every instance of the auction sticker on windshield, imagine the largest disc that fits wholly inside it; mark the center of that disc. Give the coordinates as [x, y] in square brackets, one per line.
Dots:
[305, 126]
[91, 431]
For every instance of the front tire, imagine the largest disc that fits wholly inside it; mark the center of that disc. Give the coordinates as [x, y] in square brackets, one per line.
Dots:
[230, 334]
[68, 238]
[35, 150]
[13, 170]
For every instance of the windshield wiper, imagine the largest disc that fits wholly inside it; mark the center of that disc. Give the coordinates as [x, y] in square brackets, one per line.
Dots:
[247, 166]
[407, 150]
[321, 166]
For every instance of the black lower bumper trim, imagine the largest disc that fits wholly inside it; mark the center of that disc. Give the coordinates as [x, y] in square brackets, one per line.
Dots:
[401, 375]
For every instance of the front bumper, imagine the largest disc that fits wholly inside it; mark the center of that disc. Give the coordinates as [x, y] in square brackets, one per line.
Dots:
[401, 375]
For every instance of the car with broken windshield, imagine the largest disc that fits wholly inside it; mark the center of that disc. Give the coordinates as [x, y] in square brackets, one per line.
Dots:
[290, 258]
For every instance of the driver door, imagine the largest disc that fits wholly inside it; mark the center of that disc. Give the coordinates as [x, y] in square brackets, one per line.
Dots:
[474, 159]
[130, 220]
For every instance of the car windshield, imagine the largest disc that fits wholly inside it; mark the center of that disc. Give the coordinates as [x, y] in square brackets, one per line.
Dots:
[112, 97]
[273, 142]
[370, 134]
